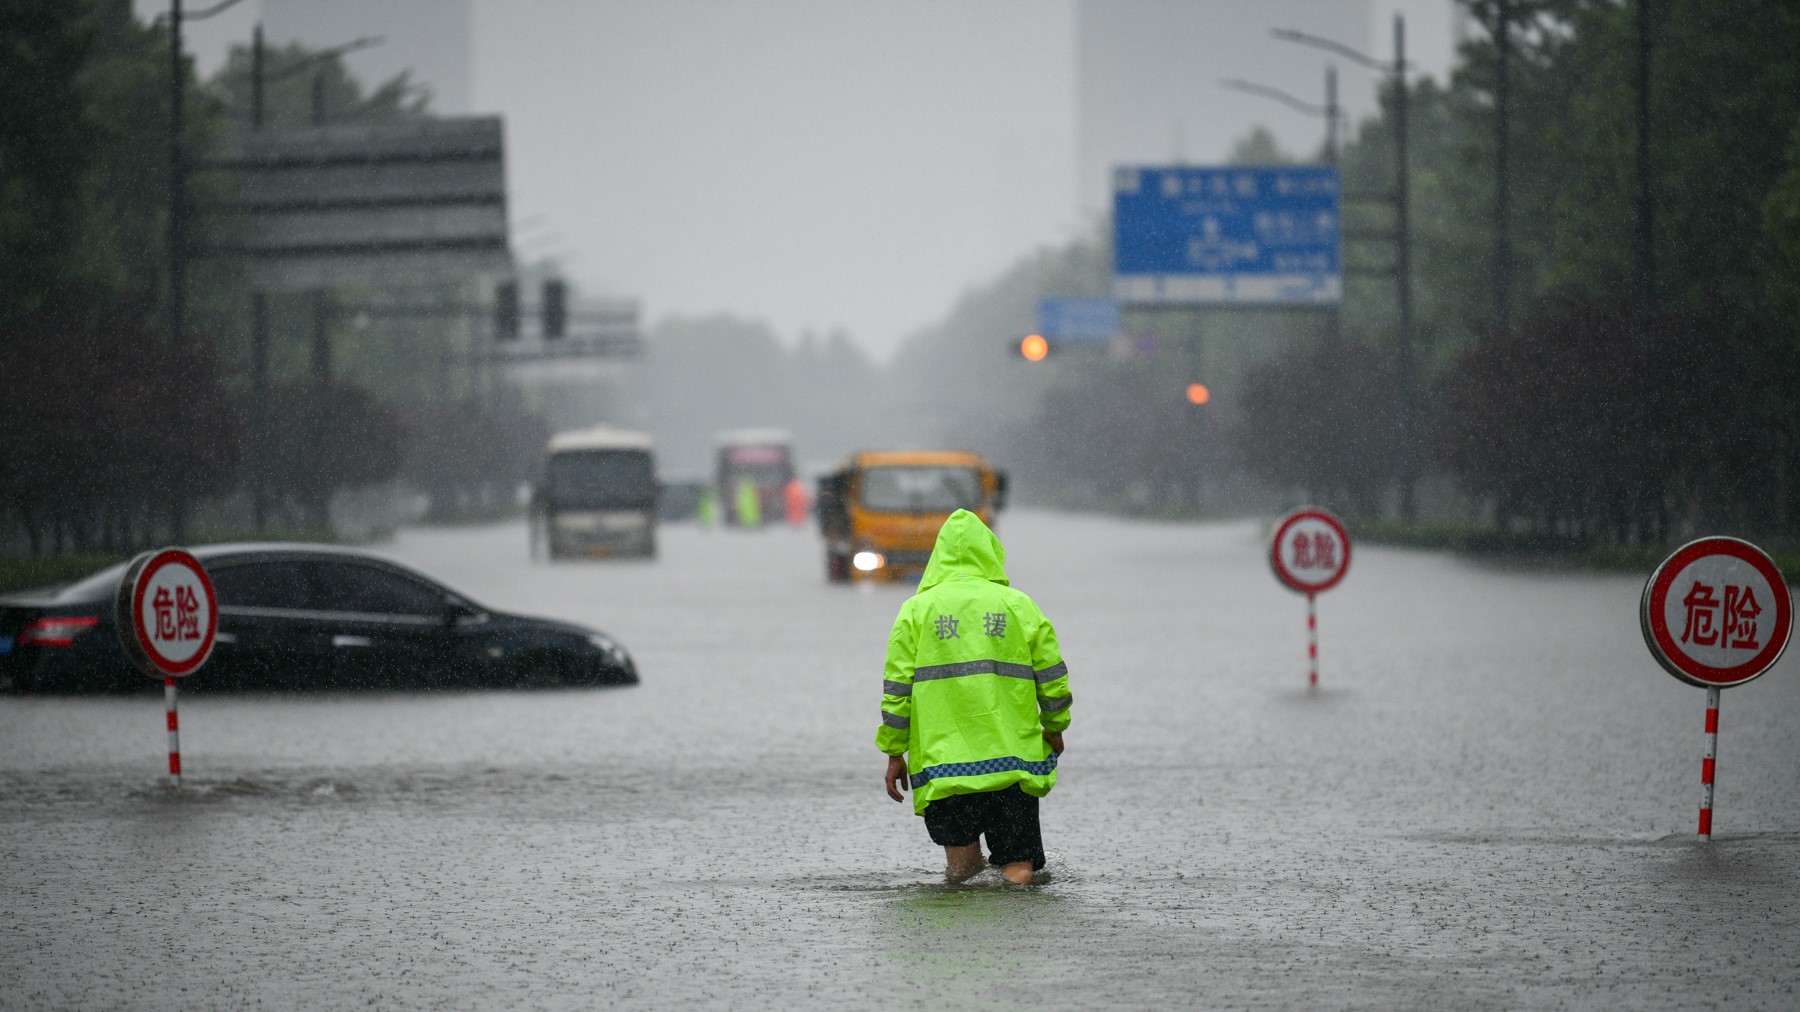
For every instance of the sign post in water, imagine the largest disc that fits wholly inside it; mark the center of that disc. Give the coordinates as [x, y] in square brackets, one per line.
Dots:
[1310, 553]
[167, 617]
[1716, 613]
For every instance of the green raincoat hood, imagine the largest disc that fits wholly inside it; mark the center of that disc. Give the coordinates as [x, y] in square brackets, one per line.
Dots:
[965, 548]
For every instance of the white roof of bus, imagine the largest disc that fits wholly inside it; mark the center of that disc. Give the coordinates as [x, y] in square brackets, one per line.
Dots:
[759, 437]
[600, 437]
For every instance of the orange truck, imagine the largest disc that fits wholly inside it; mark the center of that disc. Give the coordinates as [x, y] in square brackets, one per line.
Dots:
[880, 511]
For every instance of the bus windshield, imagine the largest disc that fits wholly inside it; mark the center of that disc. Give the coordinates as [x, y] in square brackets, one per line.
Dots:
[921, 489]
[601, 479]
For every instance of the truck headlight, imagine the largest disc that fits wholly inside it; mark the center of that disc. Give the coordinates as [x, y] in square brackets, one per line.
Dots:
[868, 562]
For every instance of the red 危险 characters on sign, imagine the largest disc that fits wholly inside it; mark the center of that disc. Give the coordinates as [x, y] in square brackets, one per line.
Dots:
[1741, 609]
[187, 613]
[1324, 550]
[1303, 550]
[165, 615]
[1727, 623]
[1702, 608]
[1317, 550]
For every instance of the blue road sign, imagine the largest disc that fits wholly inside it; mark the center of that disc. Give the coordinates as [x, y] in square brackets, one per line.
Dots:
[1227, 236]
[1078, 319]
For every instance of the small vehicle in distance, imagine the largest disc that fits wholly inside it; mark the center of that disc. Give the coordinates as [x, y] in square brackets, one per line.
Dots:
[763, 459]
[881, 509]
[301, 617]
[598, 496]
[679, 499]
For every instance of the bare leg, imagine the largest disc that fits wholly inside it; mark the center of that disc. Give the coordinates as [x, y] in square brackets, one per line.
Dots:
[963, 863]
[1018, 873]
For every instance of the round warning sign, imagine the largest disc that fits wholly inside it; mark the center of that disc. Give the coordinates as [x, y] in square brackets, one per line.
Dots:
[1310, 551]
[167, 613]
[1716, 613]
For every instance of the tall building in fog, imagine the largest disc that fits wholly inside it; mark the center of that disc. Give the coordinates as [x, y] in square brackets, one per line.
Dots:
[432, 39]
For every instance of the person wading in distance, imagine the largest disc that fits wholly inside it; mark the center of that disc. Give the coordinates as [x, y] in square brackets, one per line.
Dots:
[975, 700]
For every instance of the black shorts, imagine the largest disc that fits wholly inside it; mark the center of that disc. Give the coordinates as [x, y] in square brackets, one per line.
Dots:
[1008, 818]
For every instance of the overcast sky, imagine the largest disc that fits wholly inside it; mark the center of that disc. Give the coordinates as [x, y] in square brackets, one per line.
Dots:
[816, 163]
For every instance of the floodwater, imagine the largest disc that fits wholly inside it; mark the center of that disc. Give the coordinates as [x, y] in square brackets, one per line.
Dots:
[1489, 803]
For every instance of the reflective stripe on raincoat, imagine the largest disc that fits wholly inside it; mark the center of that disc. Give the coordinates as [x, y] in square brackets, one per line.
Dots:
[974, 677]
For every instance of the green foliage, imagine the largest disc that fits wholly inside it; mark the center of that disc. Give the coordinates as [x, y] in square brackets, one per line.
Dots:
[1323, 420]
[1258, 147]
[46, 151]
[330, 435]
[105, 427]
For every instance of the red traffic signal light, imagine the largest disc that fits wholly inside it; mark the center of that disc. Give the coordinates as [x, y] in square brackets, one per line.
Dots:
[1034, 348]
[1197, 394]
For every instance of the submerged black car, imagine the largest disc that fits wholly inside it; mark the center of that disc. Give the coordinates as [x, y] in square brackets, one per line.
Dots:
[295, 617]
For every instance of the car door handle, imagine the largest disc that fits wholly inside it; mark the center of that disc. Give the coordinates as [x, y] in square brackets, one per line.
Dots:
[352, 641]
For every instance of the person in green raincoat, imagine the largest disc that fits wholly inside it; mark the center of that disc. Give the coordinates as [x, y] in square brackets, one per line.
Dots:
[749, 504]
[975, 700]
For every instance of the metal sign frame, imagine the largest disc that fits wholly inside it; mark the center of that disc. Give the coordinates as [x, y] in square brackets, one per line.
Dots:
[380, 203]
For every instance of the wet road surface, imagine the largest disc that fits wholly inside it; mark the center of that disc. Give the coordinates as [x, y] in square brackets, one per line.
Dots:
[1489, 803]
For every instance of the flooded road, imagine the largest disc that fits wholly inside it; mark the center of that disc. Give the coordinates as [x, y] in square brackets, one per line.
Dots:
[1489, 803]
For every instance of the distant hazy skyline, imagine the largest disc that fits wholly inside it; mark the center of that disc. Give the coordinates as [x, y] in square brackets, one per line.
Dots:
[819, 164]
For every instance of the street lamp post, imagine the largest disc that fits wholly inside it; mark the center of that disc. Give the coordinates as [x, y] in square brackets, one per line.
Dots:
[1334, 316]
[259, 312]
[1329, 110]
[1405, 366]
[1502, 168]
[1643, 254]
[177, 205]
[178, 169]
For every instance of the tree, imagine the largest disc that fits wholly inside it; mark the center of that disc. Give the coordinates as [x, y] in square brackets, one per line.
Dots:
[1598, 418]
[328, 436]
[465, 453]
[1323, 420]
[47, 141]
[105, 428]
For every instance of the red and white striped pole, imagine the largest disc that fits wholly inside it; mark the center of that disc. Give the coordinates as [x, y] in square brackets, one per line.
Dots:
[1312, 641]
[174, 732]
[1707, 763]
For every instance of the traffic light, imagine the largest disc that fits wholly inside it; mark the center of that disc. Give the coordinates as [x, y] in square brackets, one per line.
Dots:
[556, 308]
[506, 311]
[1034, 348]
[1197, 394]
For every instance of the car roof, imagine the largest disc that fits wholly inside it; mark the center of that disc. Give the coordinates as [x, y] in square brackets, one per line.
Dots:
[600, 437]
[235, 552]
[918, 458]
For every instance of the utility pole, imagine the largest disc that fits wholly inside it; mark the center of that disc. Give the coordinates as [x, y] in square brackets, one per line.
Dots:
[1331, 115]
[259, 330]
[1334, 317]
[1643, 254]
[1405, 366]
[1502, 168]
[1406, 369]
[321, 298]
[177, 184]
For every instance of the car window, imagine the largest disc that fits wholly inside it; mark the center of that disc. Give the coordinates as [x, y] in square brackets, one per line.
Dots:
[345, 586]
[261, 585]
